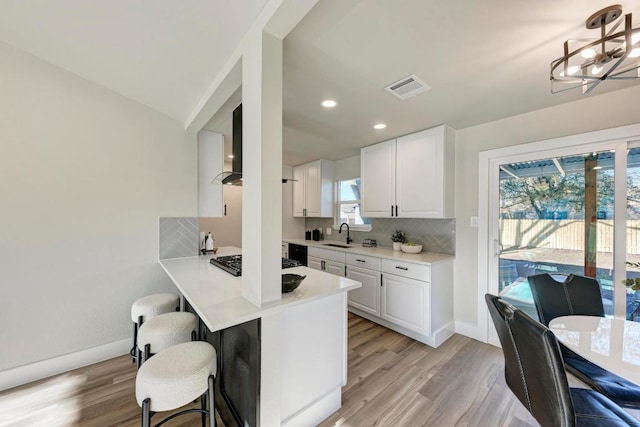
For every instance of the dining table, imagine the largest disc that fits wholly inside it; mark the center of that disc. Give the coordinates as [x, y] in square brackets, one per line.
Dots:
[613, 344]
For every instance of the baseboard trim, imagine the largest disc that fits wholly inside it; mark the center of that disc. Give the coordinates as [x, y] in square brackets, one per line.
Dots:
[317, 411]
[428, 340]
[36, 371]
[469, 330]
[443, 334]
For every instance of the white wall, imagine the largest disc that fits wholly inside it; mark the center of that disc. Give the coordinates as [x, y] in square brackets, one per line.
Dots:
[227, 230]
[348, 168]
[84, 176]
[588, 114]
[292, 227]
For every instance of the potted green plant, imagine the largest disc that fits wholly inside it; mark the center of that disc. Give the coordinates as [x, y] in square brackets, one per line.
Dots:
[398, 238]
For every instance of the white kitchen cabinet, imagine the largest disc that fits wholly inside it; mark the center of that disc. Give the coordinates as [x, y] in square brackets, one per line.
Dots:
[315, 263]
[313, 189]
[409, 297]
[378, 179]
[409, 177]
[326, 260]
[210, 165]
[335, 268]
[406, 303]
[367, 297]
[415, 299]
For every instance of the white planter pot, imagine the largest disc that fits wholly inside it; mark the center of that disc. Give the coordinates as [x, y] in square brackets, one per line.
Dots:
[397, 246]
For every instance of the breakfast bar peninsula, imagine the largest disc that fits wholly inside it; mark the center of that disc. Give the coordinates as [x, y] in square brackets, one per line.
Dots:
[297, 345]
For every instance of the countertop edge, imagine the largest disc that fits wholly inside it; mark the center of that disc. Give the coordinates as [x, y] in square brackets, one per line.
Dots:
[287, 301]
[392, 255]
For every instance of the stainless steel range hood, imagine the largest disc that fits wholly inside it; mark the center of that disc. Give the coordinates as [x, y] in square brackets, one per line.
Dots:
[234, 177]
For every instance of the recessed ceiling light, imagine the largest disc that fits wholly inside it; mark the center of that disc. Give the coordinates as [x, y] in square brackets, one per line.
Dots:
[329, 103]
[230, 156]
[379, 126]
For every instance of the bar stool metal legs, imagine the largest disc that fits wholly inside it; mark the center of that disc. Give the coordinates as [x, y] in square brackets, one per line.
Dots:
[164, 331]
[146, 308]
[176, 377]
[206, 403]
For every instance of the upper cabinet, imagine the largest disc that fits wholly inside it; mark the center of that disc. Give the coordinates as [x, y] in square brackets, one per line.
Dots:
[210, 165]
[313, 189]
[410, 177]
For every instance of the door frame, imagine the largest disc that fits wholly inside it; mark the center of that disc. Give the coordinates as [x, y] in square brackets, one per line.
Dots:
[488, 193]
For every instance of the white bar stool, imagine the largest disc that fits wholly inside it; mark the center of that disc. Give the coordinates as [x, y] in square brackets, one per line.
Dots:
[163, 331]
[147, 307]
[175, 377]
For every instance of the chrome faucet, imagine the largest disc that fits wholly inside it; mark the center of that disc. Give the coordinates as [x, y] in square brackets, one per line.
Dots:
[349, 239]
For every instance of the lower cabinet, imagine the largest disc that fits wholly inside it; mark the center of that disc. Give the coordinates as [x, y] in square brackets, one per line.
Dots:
[326, 260]
[315, 263]
[405, 302]
[413, 299]
[366, 298]
[333, 267]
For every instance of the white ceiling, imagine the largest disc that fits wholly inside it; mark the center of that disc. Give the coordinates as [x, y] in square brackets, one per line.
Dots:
[161, 53]
[484, 60]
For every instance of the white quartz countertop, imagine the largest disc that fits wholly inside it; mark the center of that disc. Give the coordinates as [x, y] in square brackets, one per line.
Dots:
[427, 258]
[217, 295]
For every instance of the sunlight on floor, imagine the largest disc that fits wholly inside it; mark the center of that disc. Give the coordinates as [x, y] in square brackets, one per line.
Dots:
[39, 405]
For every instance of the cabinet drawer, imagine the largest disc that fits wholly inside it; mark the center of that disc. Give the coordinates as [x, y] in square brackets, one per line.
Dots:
[327, 254]
[407, 269]
[364, 261]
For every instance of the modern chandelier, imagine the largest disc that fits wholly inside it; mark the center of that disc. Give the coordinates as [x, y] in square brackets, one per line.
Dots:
[588, 61]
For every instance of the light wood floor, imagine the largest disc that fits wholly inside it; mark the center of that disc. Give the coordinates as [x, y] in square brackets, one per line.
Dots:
[396, 381]
[393, 381]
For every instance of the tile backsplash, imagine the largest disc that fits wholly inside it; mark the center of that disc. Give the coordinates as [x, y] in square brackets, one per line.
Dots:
[179, 237]
[436, 235]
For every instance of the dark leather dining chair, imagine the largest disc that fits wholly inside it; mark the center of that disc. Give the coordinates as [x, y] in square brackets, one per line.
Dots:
[579, 295]
[535, 373]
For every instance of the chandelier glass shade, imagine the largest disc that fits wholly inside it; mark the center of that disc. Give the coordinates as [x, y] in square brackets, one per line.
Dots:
[587, 62]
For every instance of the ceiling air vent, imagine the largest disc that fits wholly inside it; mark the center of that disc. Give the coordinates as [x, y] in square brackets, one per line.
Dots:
[407, 87]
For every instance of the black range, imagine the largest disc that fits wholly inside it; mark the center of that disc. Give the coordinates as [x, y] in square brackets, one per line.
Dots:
[232, 264]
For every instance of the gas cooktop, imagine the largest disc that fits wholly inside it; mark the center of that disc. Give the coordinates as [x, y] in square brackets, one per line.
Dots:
[233, 264]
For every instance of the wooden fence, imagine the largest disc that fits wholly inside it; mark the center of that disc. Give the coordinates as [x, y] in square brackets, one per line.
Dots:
[563, 234]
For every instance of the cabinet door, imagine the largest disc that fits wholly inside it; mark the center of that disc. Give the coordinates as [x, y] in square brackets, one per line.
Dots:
[315, 263]
[420, 174]
[378, 175]
[210, 164]
[313, 188]
[405, 302]
[367, 297]
[333, 267]
[298, 190]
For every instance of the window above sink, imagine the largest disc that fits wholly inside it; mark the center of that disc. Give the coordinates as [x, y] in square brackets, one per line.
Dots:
[348, 206]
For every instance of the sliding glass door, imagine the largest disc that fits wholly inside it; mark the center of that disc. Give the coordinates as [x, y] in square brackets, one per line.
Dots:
[567, 210]
[632, 259]
[556, 216]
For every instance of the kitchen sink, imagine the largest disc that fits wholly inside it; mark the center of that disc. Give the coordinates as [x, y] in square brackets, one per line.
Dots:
[337, 245]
